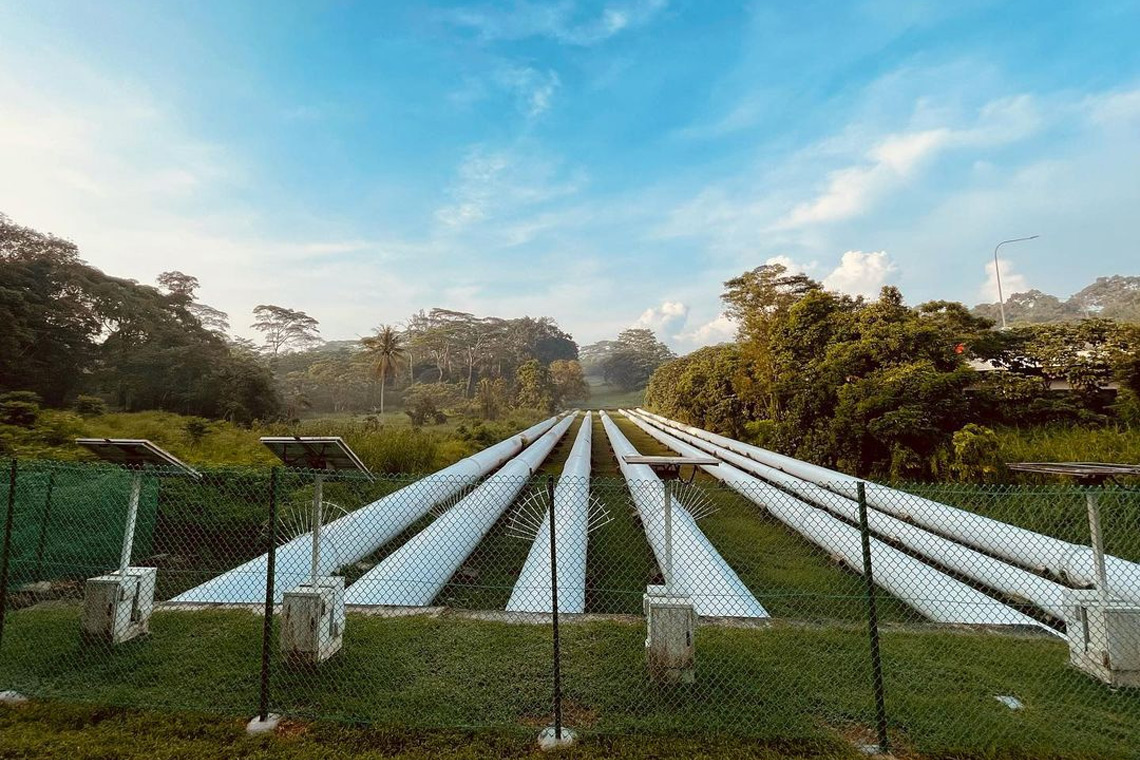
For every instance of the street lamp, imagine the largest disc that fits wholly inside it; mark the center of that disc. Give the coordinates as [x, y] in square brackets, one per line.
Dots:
[997, 272]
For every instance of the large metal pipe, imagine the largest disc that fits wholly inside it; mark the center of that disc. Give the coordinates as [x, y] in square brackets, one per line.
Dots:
[1072, 562]
[361, 532]
[993, 573]
[932, 592]
[699, 571]
[415, 573]
[571, 522]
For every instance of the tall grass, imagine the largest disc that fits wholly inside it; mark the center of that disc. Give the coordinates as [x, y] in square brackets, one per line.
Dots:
[1069, 444]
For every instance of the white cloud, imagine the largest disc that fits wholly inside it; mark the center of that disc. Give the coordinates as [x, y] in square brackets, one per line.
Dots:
[793, 267]
[493, 184]
[861, 274]
[533, 89]
[851, 190]
[561, 21]
[718, 330]
[1011, 282]
[666, 319]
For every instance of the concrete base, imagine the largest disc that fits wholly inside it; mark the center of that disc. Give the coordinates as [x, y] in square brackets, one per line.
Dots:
[549, 740]
[12, 698]
[258, 726]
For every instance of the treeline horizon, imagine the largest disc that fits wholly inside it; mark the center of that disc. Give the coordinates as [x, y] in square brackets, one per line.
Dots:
[79, 337]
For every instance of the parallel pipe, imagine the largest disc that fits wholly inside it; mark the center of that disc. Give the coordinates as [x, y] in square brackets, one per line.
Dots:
[1071, 562]
[361, 532]
[571, 522]
[993, 573]
[414, 574]
[699, 571]
[930, 591]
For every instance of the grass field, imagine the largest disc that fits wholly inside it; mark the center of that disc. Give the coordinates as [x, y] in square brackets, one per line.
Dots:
[83, 732]
[791, 688]
[605, 396]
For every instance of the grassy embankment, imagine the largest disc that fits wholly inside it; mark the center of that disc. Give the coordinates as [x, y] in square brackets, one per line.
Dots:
[385, 443]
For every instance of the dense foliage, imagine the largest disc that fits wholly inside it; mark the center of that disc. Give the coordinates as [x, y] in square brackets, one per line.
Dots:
[628, 362]
[880, 388]
[70, 329]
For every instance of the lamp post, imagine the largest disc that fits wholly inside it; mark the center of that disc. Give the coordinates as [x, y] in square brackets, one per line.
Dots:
[997, 273]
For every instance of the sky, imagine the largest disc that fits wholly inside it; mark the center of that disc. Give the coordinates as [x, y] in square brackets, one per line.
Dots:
[609, 164]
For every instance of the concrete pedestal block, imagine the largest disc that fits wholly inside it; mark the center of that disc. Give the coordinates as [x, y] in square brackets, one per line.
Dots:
[1104, 637]
[312, 620]
[117, 608]
[670, 644]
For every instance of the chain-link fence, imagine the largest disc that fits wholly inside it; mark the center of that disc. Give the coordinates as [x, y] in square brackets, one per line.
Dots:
[938, 619]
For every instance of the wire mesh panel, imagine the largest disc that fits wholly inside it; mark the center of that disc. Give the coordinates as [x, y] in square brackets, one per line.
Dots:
[737, 603]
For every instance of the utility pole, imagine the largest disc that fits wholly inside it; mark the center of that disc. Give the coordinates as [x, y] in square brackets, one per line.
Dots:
[997, 273]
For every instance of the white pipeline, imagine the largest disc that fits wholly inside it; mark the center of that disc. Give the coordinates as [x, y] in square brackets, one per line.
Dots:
[933, 593]
[416, 572]
[571, 522]
[1072, 562]
[359, 533]
[699, 571]
[993, 573]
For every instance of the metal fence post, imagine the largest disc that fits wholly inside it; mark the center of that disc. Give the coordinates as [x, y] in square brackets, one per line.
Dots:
[44, 519]
[270, 570]
[554, 615]
[7, 547]
[873, 625]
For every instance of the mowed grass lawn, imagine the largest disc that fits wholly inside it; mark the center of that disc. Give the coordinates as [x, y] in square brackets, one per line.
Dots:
[786, 689]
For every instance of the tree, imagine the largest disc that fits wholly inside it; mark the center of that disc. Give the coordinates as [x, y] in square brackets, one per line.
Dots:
[386, 348]
[568, 381]
[758, 301]
[182, 287]
[534, 389]
[428, 402]
[70, 329]
[285, 329]
[636, 353]
[491, 397]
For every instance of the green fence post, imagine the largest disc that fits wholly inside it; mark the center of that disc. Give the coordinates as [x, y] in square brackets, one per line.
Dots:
[873, 625]
[270, 572]
[7, 547]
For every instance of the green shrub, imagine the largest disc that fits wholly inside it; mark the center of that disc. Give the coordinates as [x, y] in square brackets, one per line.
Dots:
[976, 454]
[19, 408]
[90, 406]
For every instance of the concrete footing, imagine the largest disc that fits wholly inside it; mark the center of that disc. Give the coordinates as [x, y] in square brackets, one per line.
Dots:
[548, 739]
[258, 726]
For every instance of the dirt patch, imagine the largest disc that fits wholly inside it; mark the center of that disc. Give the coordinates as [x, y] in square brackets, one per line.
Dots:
[291, 729]
[864, 737]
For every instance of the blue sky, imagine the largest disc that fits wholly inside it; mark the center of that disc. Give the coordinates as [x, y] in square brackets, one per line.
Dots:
[605, 163]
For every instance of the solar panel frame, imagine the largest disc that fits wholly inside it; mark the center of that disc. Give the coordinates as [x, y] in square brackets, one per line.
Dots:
[135, 453]
[1093, 470]
[316, 453]
[668, 461]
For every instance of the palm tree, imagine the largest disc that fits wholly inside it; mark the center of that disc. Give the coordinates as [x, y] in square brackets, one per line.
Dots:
[386, 348]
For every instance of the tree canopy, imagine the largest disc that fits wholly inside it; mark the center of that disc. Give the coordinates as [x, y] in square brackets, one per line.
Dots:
[878, 387]
[71, 329]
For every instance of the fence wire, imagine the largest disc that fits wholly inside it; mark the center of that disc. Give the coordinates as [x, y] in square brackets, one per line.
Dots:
[429, 605]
